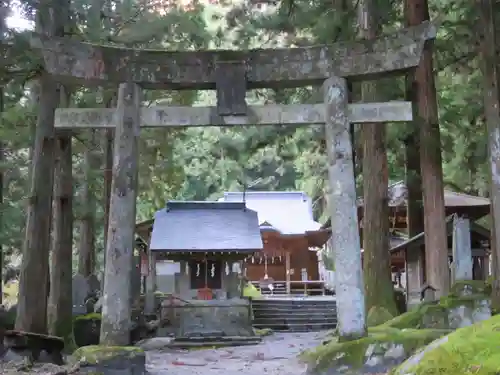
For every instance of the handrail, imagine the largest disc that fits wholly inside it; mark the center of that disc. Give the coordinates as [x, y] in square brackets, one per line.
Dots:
[304, 283]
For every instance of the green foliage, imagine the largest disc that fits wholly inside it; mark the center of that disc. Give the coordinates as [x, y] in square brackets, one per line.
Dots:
[201, 163]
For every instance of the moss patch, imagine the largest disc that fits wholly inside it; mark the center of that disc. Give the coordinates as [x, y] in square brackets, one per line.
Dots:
[95, 354]
[263, 331]
[471, 350]
[435, 314]
[378, 315]
[352, 353]
[91, 316]
[414, 318]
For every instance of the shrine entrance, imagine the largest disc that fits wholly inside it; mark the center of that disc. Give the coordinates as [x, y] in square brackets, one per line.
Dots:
[231, 74]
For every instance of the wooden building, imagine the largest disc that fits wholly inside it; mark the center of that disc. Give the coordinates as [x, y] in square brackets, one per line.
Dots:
[290, 237]
[207, 239]
[408, 254]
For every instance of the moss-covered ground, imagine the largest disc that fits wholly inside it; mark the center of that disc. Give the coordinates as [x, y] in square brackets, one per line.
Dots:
[473, 350]
[94, 354]
[413, 330]
[352, 353]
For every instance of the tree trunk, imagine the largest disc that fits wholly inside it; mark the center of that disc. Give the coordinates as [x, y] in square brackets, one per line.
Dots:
[345, 231]
[60, 311]
[413, 181]
[86, 253]
[116, 309]
[32, 305]
[436, 243]
[4, 11]
[491, 76]
[379, 290]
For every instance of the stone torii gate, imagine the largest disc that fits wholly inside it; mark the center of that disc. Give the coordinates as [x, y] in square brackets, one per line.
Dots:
[231, 74]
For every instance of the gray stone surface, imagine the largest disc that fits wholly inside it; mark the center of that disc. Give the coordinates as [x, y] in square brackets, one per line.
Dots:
[462, 249]
[344, 219]
[82, 63]
[469, 313]
[80, 292]
[129, 363]
[213, 318]
[277, 354]
[296, 114]
[116, 309]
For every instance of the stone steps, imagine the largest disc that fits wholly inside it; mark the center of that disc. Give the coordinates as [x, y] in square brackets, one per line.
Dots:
[299, 315]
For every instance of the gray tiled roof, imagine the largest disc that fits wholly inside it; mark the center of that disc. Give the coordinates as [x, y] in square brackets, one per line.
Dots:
[397, 193]
[288, 212]
[206, 226]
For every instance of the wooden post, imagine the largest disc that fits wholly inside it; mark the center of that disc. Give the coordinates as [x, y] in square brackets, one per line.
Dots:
[116, 309]
[287, 270]
[151, 284]
[462, 250]
[345, 233]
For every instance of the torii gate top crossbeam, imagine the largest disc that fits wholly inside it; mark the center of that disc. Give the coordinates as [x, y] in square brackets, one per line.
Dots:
[75, 62]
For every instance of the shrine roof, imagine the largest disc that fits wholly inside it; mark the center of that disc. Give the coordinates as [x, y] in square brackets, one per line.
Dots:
[473, 206]
[398, 193]
[482, 234]
[286, 212]
[206, 226]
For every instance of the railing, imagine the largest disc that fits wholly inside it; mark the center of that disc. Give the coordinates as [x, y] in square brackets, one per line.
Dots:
[299, 287]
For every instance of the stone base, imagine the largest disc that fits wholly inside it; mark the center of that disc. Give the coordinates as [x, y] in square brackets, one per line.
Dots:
[216, 318]
[104, 360]
[185, 343]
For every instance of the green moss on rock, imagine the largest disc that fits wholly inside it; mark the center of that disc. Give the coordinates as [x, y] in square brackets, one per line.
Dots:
[352, 353]
[378, 315]
[435, 314]
[95, 354]
[467, 351]
[475, 286]
[263, 331]
[91, 316]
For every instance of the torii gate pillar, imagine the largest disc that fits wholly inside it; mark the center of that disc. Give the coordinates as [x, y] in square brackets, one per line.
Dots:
[344, 218]
[120, 245]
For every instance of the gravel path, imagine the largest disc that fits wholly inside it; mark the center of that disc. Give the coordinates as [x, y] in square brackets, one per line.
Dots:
[275, 355]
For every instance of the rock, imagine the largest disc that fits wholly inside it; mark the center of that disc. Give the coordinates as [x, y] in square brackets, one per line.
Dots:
[416, 358]
[98, 306]
[378, 352]
[110, 360]
[464, 306]
[155, 343]
[86, 329]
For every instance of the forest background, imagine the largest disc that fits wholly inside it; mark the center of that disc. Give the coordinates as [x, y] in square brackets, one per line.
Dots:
[202, 163]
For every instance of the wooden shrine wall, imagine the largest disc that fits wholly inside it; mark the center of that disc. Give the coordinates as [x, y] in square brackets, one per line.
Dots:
[275, 253]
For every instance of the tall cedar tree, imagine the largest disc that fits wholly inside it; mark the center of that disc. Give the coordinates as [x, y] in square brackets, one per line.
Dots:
[379, 290]
[52, 17]
[436, 243]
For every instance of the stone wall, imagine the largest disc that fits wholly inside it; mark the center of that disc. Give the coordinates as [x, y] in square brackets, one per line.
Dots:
[213, 318]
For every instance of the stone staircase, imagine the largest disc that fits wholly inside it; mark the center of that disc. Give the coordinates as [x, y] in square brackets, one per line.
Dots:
[295, 314]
